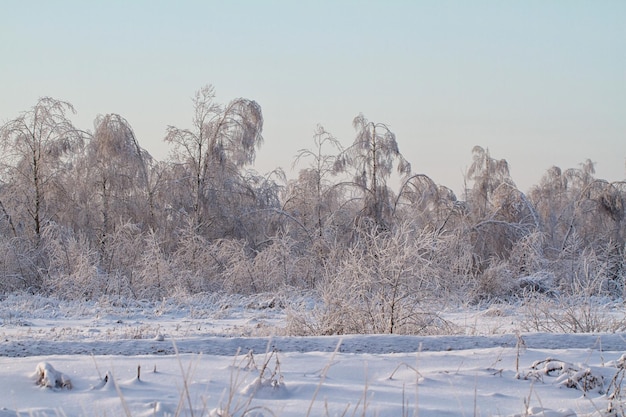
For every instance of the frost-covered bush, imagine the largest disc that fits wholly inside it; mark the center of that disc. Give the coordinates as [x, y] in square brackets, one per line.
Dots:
[384, 284]
[496, 282]
[544, 313]
[72, 270]
[195, 262]
[154, 272]
[452, 264]
[277, 265]
[17, 269]
[590, 272]
[567, 375]
[540, 282]
[527, 256]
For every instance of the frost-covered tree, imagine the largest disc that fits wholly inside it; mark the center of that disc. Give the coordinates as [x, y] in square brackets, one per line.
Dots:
[256, 216]
[118, 170]
[487, 174]
[313, 197]
[582, 220]
[574, 203]
[500, 214]
[428, 204]
[371, 159]
[222, 140]
[550, 198]
[37, 147]
[36, 151]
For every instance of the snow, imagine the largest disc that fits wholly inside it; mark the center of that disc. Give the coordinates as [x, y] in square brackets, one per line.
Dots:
[225, 356]
[46, 376]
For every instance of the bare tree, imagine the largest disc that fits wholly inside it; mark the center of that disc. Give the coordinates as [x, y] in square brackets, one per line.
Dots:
[372, 157]
[36, 147]
[487, 174]
[222, 140]
[500, 214]
[550, 198]
[583, 221]
[590, 206]
[432, 206]
[612, 200]
[313, 190]
[118, 168]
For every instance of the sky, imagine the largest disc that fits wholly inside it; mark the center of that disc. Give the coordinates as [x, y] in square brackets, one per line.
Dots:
[538, 83]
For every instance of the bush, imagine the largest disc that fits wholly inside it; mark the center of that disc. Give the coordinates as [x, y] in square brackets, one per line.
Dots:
[382, 285]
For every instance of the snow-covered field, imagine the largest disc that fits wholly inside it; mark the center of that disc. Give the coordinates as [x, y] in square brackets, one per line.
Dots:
[226, 356]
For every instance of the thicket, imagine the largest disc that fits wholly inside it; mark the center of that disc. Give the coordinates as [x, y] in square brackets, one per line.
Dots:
[85, 214]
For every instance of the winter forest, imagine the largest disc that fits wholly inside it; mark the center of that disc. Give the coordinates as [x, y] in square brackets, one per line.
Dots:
[87, 214]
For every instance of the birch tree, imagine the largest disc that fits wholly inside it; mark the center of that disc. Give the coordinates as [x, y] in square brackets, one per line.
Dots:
[37, 147]
[313, 195]
[222, 140]
[372, 157]
[488, 174]
[118, 168]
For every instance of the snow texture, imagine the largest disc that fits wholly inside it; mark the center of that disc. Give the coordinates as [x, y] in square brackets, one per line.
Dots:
[130, 362]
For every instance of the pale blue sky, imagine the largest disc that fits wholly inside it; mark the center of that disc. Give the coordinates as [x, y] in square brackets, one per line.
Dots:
[539, 83]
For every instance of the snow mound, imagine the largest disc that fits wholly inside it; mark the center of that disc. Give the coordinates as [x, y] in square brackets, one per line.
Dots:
[48, 377]
[265, 388]
[546, 412]
[579, 377]
[158, 409]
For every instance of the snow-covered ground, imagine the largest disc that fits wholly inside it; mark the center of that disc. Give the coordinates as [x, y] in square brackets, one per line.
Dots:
[227, 356]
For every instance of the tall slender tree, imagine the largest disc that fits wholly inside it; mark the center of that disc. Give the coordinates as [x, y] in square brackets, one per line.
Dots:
[488, 174]
[313, 189]
[222, 140]
[119, 171]
[372, 157]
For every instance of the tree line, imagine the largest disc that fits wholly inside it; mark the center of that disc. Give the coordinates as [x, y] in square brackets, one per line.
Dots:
[85, 214]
